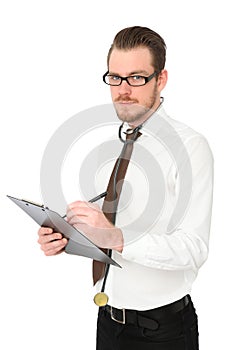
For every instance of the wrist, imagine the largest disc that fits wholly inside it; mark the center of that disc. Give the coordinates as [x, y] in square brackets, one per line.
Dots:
[118, 240]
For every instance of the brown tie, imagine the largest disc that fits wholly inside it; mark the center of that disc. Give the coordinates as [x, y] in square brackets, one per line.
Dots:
[113, 193]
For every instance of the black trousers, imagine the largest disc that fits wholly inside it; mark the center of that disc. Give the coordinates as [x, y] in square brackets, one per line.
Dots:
[177, 331]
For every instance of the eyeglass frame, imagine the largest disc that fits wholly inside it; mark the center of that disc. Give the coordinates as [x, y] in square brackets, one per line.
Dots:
[147, 79]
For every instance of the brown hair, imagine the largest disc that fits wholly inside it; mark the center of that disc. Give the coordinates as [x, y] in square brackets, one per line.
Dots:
[133, 37]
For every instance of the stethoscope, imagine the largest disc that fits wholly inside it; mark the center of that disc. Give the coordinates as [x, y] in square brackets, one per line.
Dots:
[101, 298]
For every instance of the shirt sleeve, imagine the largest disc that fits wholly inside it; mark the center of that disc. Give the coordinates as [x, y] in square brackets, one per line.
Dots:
[187, 246]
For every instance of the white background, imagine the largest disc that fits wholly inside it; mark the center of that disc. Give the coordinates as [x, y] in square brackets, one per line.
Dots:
[53, 55]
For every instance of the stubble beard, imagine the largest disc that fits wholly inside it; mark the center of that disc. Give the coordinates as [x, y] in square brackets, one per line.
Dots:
[135, 113]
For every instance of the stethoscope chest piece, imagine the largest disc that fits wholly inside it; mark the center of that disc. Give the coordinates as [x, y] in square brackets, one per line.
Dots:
[101, 299]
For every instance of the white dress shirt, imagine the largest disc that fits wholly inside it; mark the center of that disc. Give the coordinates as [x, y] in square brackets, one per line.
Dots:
[164, 213]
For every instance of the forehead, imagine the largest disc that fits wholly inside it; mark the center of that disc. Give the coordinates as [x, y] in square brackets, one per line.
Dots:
[124, 62]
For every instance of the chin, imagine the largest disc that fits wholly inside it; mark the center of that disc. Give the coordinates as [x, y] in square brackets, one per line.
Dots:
[130, 116]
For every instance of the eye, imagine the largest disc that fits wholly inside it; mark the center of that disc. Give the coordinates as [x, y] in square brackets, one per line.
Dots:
[114, 77]
[137, 77]
[136, 80]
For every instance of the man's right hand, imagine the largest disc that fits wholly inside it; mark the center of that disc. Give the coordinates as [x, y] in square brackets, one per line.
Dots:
[52, 243]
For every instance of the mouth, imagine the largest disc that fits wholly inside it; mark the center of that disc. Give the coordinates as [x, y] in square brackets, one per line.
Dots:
[123, 102]
[126, 103]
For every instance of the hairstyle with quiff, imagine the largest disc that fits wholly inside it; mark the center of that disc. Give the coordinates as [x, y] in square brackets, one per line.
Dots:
[134, 37]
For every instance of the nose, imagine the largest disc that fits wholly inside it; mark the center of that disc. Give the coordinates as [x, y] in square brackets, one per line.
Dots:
[124, 88]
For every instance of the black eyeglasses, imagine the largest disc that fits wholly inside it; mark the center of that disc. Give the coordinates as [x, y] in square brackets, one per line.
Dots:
[132, 80]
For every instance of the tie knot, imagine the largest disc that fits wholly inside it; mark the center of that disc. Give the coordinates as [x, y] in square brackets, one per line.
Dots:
[132, 134]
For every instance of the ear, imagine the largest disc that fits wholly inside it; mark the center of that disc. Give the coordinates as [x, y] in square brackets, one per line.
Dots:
[162, 80]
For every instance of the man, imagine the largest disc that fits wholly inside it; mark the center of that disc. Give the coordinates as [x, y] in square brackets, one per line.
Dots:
[149, 306]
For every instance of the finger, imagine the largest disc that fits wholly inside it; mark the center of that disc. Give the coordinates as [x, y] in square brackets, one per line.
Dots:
[45, 231]
[77, 204]
[83, 204]
[83, 210]
[77, 212]
[49, 238]
[77, 220]
[53, 248]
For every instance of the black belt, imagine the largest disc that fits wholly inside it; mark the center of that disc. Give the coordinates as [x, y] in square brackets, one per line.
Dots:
[149, 318]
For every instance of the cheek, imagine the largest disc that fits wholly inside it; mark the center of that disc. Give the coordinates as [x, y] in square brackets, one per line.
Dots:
[113, 92]
[147, 97]
[142, 95]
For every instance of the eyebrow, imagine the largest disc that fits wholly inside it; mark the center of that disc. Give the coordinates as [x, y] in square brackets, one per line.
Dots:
[139, 72]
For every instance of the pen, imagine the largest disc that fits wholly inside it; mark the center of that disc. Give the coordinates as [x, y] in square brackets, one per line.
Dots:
[92, 200]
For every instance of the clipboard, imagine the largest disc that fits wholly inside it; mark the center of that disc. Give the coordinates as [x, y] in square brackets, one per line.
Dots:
[78, 244]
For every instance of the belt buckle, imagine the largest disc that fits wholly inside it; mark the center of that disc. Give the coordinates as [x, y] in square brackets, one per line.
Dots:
[114, 319]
